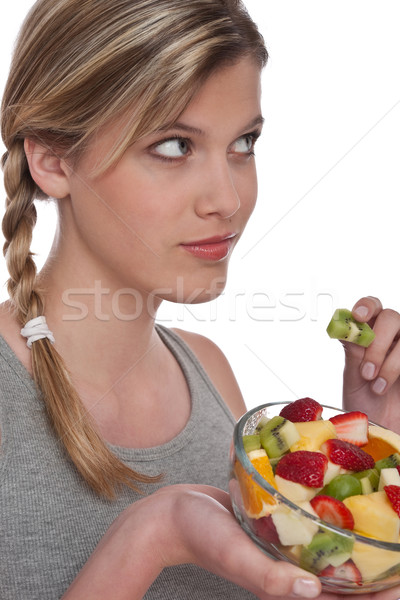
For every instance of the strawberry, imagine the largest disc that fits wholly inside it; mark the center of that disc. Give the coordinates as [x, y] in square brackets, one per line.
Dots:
[265, 529]
[393, 493]
[347, 455]
[304, 409]
[347, 571]
[306, 468]
[333, 511]
[352, 427]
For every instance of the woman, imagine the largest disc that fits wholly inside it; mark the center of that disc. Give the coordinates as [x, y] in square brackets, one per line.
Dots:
[140, 119]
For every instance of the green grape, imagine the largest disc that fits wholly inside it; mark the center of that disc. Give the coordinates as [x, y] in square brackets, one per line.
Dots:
[342, 486]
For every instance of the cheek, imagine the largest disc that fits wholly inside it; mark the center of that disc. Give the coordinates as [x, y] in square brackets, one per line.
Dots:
[248, 192]
[139, 195]
[121, 202]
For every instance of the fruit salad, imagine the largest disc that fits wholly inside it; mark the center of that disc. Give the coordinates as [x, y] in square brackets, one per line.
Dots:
[344, 472]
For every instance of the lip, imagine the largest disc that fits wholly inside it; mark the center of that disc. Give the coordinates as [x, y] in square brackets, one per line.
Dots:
[214, 248]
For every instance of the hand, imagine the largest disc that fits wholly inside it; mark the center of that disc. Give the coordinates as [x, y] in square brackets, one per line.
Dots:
[207, 534]
[217, 543]
[190, 524]
[371, 381]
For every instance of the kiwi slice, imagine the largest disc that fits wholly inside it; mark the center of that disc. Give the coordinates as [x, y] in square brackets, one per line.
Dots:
[343, 326]
[388, 463]
[326, 548]
[369, 480]
[261, 423]
[251, 442]
[277, 435]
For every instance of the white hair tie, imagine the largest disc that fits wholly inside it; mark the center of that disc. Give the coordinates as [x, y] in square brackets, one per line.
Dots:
[36, 329]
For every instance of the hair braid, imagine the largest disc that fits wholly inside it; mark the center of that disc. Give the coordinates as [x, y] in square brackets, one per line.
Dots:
[97, 464]
[18, 223]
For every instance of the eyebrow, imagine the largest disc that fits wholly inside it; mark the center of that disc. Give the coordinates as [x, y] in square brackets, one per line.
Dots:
[259, 120]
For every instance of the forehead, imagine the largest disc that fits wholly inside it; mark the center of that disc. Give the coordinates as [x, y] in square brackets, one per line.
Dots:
[226, 103]
[230, 95]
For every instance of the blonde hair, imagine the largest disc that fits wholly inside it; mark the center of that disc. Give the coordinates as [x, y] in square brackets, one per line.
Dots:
[78, 65]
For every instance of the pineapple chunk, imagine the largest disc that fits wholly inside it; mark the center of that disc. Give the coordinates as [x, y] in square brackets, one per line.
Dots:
[313, 434]
[374, 516]
[373, 562]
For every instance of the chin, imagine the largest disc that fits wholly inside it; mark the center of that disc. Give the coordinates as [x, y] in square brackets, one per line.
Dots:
[189, 291]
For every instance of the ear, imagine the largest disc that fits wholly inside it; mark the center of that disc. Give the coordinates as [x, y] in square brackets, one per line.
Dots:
[48, 170]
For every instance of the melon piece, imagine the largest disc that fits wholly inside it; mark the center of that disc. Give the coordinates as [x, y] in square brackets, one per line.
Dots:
[333, 471]
[294, 528]
[313, 434]
[374, 516]
[388, 477]
[295, 492]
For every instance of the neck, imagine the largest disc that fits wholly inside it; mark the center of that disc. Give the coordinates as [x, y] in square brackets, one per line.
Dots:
[101, 330]
[121, 369]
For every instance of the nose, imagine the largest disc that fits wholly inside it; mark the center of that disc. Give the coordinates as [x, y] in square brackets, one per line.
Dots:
[217, 193]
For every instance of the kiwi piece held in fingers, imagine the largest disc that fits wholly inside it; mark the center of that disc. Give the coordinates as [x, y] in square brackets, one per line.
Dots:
[343, 326]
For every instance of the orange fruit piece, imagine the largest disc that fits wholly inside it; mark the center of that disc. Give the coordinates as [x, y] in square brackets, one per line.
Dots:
[257, 501]
[378, 448]
[381, 442]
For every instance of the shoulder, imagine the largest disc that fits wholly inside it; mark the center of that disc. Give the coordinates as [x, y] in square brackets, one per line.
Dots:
[217, 367]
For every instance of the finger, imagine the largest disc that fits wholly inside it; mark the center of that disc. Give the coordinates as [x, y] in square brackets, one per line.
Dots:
[265, 577]
[389, 372]
[367, 308]
[386, 328]
[232, 554]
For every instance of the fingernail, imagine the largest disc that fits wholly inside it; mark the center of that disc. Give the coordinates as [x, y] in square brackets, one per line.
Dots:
[306, 588]
[361, 312]
[368, 370]
[379, 385]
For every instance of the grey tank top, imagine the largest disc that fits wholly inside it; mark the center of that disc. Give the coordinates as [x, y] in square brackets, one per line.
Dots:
[51, 521]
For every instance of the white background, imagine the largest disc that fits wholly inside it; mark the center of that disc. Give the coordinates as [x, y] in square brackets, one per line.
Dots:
[326, 228]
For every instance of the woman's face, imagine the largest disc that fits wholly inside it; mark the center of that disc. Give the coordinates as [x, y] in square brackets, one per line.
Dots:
[165, 219]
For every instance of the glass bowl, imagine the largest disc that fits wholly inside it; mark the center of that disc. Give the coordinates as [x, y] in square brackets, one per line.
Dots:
[377, 561]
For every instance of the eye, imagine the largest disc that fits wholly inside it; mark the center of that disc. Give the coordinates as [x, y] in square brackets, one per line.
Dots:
[245, 144]
[172, 148]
